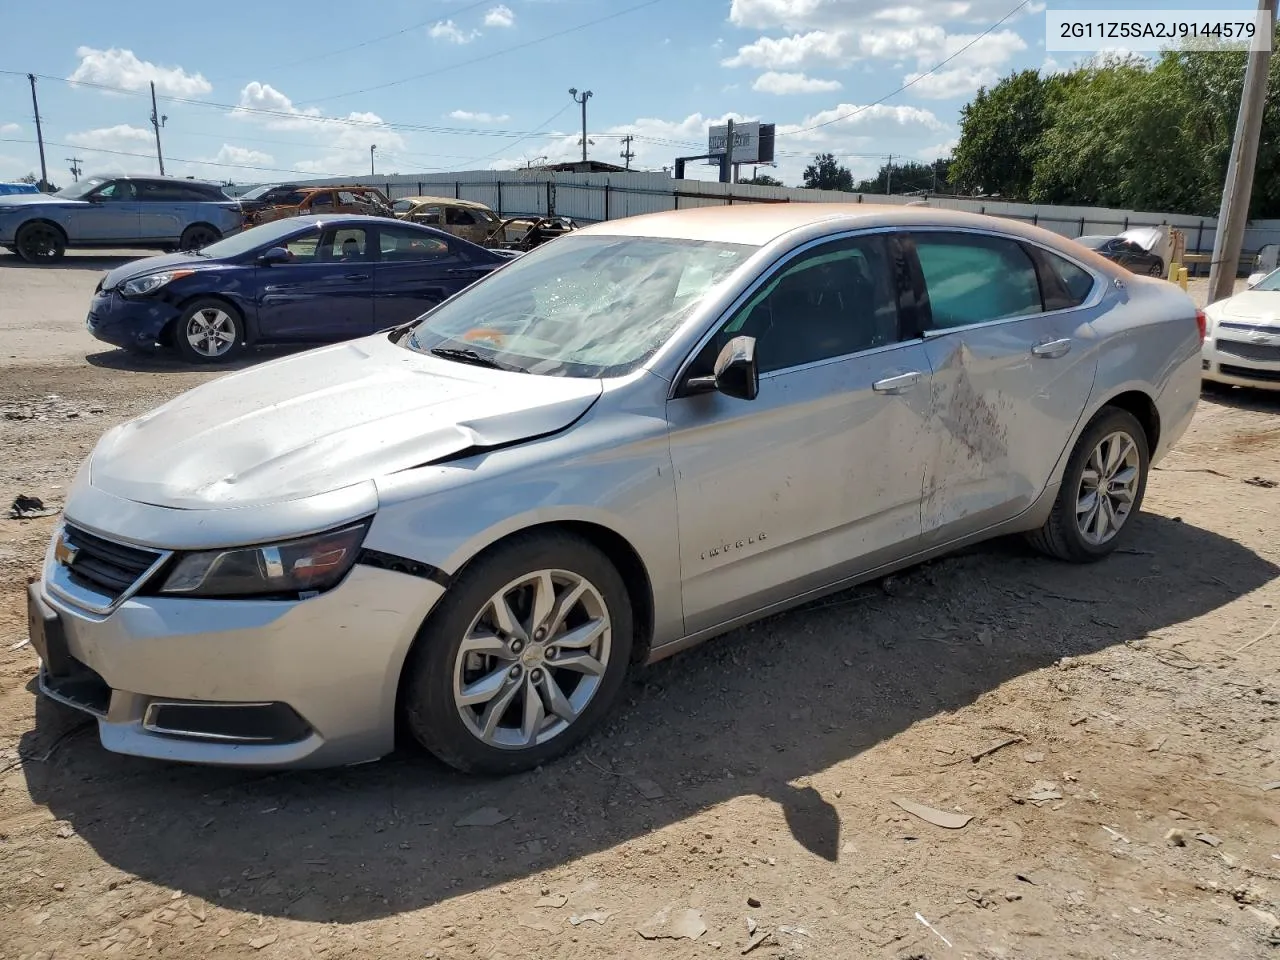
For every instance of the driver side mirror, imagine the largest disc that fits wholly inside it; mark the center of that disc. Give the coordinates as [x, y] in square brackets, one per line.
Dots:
[274, 256]
[736, 373]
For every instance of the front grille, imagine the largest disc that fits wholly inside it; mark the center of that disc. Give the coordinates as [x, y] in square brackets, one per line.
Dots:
[1248, 373]
[236, 722]
[1249, 351]
[1259, 327]
[82, 688]
[104, 565]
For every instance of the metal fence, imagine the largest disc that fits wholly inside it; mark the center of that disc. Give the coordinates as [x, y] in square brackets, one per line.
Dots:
[594, 197]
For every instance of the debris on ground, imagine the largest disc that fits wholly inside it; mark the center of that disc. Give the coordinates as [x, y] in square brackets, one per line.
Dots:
[993, 747]
[753, 903]
[484, 817]
[673, 922]
[649, 789]
[1208, 838]
[934, 930]
[553, 900]
[756, 941]
[1262, 482]
[1042, 791]
[751, 925]
[29, 508]
[595, 916]
[1176, 837]
[939, 818]
[1115, 834]
[1033, 756]
[259, 942]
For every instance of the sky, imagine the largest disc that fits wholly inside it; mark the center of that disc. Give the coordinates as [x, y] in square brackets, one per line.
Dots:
[255, 92]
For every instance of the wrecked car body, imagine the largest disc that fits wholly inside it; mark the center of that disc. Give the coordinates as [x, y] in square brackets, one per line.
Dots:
[614, 447]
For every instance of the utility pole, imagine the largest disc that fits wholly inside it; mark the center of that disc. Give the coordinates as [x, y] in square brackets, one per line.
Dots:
[76, 169]
[586, 95]
[726, 168]
[35, 106]
[157, 122]
[1238, 189]
[627, 153]
[372, 147]
[888, 184]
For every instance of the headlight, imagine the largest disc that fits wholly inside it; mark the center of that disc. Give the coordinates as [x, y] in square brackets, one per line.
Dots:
[306, 566]
[141, 286]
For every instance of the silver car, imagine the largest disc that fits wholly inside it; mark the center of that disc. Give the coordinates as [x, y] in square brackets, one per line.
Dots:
[161, 212]
[636, 437]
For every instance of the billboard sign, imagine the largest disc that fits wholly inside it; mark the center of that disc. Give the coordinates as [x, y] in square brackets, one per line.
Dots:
[752, 142]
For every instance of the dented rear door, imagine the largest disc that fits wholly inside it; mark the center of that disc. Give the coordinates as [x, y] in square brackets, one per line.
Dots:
[1010, 380]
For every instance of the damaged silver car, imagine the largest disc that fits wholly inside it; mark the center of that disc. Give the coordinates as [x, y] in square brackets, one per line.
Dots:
[619, 445]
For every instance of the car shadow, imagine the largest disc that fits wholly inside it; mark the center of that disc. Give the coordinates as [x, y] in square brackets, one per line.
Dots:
[1243, 398]
[746, 714]
[73, 261]
[169, 361]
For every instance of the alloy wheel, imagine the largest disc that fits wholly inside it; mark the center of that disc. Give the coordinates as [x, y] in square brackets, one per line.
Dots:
[40, 242]
[1108, 488]
[211, 332]
[532, 659]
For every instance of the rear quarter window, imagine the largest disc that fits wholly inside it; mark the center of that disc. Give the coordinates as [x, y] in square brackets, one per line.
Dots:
[1074, 283]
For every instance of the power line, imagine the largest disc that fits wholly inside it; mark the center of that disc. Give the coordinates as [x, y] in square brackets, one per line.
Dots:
[910, 83]
[148, 156]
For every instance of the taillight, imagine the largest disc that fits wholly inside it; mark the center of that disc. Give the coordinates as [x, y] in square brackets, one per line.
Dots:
[1203, 323]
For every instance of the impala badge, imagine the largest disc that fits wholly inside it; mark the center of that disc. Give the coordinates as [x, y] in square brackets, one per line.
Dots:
[65, 552]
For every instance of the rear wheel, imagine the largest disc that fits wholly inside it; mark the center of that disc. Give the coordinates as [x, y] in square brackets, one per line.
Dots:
[1102, 489]
[40, 243]
[209, 331]
[523, 657]
[198, 235]
[1157, 269]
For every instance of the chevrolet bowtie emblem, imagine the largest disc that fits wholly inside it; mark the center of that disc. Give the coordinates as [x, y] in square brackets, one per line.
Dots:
[65, 553]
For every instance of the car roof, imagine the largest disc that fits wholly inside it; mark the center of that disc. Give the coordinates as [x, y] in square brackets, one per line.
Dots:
[450, 202]
[151, 176]
[338, 186]
[759, 224]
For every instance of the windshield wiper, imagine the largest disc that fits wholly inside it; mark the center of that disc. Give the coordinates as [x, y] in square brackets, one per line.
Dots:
[469, 356]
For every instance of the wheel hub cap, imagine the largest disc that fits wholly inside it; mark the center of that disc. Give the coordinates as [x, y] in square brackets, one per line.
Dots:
[509, 693]
[1108, 488]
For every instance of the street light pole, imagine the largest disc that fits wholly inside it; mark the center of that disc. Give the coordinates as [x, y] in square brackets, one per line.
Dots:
[157, 122]
[372, 147]
[35, 106]
[1238, 189]
[586, 95]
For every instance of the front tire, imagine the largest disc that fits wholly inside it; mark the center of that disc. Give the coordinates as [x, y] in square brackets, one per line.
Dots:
[40, 243]
[523, 657]
[209, 331]
[1102, 490]
[1157, 269]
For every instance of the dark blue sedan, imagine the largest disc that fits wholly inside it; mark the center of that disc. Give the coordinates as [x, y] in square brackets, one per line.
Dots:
[322, 278]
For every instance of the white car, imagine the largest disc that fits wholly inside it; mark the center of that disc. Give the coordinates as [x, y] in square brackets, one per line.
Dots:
[1242, 339]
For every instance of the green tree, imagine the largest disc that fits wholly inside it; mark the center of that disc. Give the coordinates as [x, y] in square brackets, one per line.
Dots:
[763, 180]
[825, 173]
[908, 177]
[1000, 130]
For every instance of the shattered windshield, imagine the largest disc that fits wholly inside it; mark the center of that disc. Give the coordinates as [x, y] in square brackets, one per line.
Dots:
[581, 306]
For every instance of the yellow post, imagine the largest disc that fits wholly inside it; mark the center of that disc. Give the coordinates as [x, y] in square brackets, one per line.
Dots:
[1174, 267]
[1182, 277]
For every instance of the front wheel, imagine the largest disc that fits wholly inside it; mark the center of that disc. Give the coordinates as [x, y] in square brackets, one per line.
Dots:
[1157, 269]
[40, 243]
[523, 657]
[209, 331]
[1102, 488]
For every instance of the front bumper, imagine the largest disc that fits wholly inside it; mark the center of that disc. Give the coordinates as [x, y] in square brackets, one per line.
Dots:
[251, 683]
[122, 322]
[1243, 362]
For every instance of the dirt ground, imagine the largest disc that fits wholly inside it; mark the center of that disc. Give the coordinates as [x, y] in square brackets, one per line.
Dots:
[1111, 730]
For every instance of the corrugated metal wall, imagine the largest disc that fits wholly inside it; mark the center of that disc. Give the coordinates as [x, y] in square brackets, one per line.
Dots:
[607, 196]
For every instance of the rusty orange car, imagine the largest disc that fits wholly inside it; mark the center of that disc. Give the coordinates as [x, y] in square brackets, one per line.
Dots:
[332, 199]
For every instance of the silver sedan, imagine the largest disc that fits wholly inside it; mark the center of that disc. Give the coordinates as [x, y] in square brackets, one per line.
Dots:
[628, 441]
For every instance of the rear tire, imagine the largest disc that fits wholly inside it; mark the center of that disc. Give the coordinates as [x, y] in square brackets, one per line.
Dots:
[1102, 490]
[40, 243]
[198, 235]
[209, 331]
[1157, 269]
[522, 658]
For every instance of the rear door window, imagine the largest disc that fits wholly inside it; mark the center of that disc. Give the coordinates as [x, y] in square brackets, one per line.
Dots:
[976, 278]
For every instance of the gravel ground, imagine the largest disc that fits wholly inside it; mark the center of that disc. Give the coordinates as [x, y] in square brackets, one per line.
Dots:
[1111, 731]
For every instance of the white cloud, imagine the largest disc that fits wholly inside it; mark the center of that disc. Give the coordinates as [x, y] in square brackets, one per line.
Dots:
[450, 32]
[784, 84]
[341, 143]
[848, 116]
[938, 150]
[770, 52]
[122, 137]
[6, 128]
[478, 116]
[121, 68]
[500, 16]
[807, 14]
[952, 84]
[230, 154]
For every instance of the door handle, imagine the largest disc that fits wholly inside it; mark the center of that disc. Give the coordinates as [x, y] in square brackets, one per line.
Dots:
[356, 276]
[1052, 350]
[897, 384]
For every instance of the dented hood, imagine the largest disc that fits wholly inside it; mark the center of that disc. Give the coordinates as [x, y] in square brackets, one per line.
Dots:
[323, 420]
[1257, 306]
